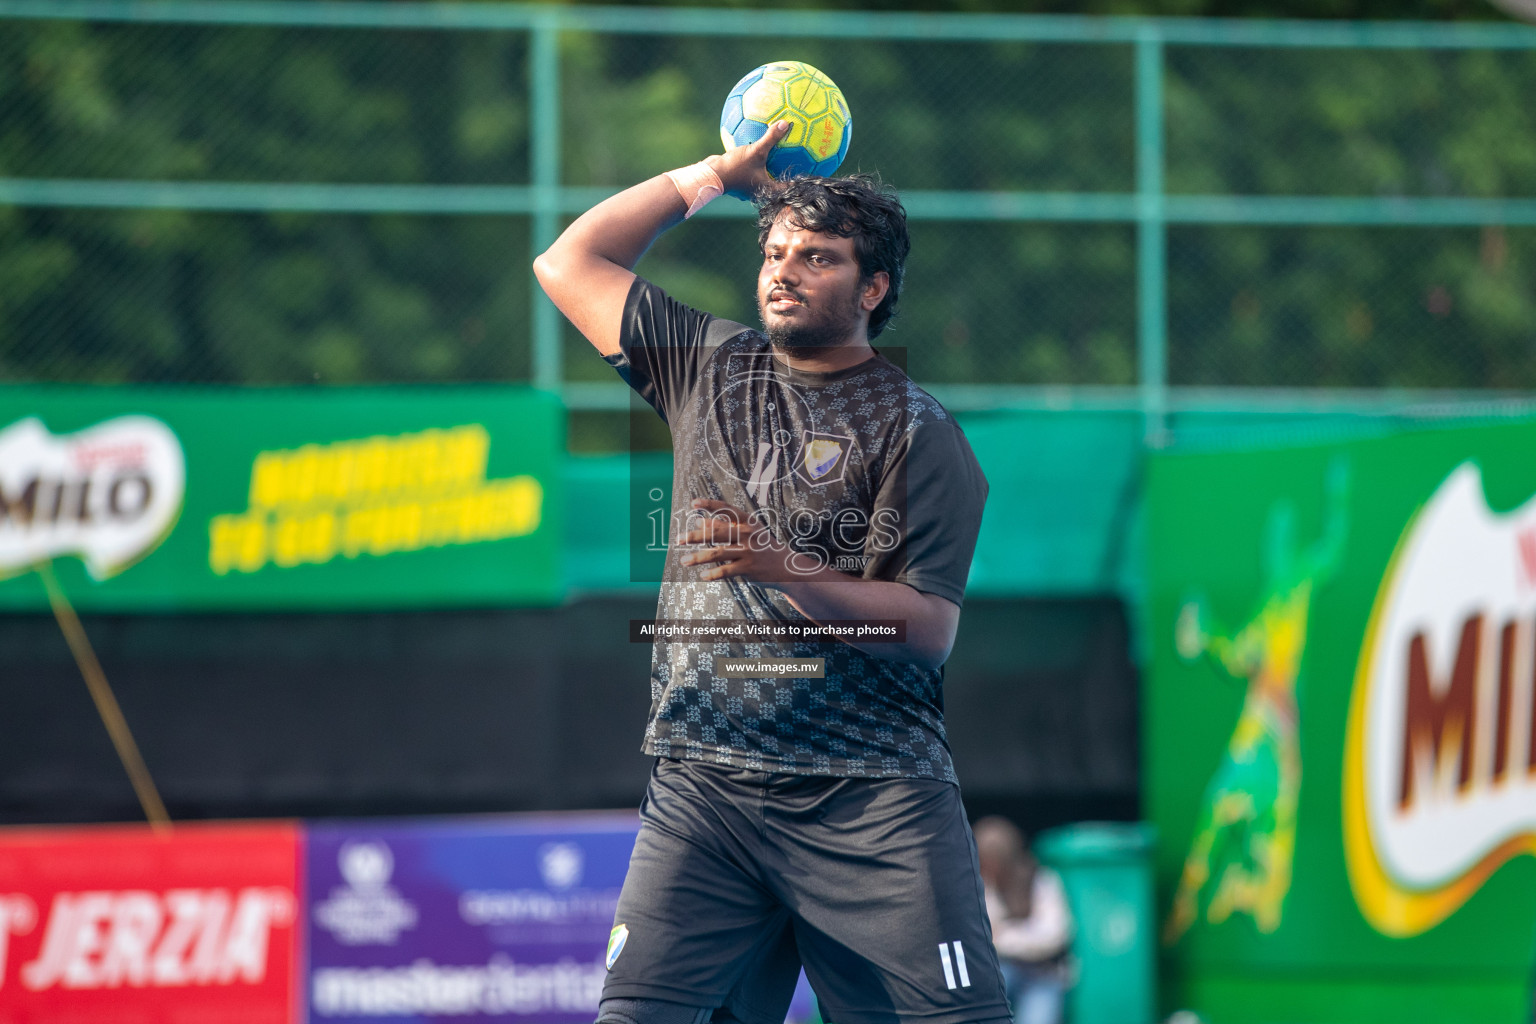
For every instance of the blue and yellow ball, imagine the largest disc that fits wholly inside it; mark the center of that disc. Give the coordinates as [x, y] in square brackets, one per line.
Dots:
[790, 90]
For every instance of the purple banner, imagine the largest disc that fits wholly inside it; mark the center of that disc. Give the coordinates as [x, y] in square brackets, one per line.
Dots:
[494, 919]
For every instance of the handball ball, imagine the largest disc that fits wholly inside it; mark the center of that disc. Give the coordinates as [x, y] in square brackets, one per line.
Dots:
[789, 90]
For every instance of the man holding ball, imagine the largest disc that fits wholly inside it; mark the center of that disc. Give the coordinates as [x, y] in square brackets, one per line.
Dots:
[812, 819]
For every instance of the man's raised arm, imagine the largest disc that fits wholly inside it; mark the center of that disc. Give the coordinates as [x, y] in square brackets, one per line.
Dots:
[587, 273]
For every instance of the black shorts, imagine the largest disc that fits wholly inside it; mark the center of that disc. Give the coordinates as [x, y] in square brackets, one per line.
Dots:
[738, 877]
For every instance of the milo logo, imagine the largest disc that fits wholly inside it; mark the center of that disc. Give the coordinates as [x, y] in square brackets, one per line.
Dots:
[1440, 754]
[108, 494]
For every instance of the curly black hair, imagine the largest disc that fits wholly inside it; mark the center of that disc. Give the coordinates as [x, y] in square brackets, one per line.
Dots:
[859, 206]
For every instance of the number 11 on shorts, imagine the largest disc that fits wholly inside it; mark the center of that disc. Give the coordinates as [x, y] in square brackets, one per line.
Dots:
[954, 966]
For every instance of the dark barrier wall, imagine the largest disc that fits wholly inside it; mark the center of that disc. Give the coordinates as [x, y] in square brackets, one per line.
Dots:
[445, 712]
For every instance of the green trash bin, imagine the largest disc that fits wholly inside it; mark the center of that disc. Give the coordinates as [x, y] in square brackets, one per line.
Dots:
[1106, 869]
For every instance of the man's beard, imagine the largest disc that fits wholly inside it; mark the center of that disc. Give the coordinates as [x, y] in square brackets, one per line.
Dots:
[809, 339]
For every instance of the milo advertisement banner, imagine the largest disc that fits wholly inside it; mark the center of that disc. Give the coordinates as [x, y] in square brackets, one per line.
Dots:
[1341, 727]
[194, 499]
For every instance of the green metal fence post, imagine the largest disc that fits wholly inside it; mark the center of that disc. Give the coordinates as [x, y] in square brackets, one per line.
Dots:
[544, 149]
[1151, 237]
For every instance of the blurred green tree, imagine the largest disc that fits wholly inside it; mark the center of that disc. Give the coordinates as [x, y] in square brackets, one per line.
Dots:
[175, 295]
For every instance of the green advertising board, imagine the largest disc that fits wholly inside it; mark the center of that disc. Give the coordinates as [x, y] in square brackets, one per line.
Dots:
[1340, 727]
[203, 499]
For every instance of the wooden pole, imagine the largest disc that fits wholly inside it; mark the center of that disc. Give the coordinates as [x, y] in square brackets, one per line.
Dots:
[106, 703]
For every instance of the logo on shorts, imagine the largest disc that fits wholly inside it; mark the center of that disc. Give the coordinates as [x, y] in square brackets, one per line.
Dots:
[616, 940]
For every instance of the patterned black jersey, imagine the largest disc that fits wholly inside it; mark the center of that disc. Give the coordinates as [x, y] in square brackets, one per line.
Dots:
[859, 470]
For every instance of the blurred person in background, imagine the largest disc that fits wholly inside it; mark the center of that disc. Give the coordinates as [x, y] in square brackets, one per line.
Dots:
[1031, 923]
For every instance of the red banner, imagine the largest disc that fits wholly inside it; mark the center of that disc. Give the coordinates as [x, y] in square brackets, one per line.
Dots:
[114, 923]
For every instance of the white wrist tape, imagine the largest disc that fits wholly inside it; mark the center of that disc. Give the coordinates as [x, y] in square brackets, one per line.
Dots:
[698, 184]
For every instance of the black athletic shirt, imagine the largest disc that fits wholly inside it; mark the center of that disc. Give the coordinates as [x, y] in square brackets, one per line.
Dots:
[859, 469]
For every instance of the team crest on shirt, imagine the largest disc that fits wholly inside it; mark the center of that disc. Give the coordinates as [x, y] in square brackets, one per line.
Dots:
[824, 457]
[616, 940]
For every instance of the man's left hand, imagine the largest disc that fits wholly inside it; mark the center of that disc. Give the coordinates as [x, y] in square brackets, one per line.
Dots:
[727, 543]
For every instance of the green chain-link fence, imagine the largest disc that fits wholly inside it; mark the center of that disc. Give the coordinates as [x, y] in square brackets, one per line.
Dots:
[1110, 212]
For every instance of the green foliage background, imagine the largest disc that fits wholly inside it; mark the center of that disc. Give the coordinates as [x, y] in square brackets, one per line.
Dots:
[93, 295]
